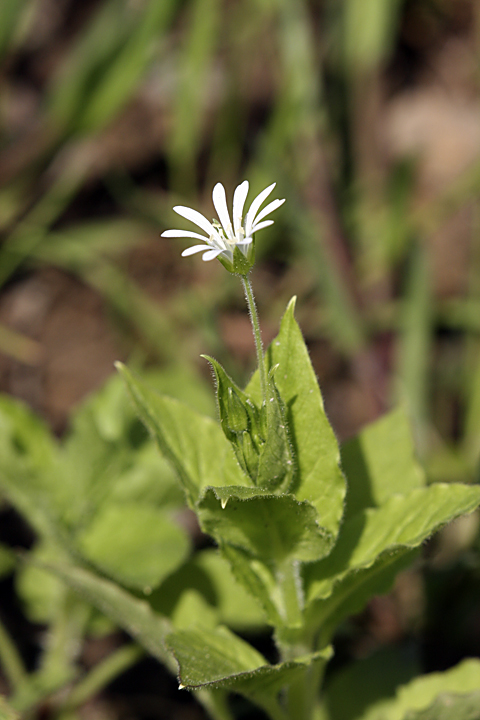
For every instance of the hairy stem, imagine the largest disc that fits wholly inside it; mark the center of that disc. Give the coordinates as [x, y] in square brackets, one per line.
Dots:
[247, 286]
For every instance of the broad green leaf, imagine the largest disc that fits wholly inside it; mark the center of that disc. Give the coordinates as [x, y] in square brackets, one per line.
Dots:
[236, 608]
[380, 462]
[149, 479]
[194, 444]
[352, 592]
[89, 466]
[374, 546]
[30, 481]
[319, 479]
[40, 592]
[25, 436]
[403, 521]
[449, 706]
[209, 574]
[272, 534]
[272, 528]
[361, 683]
[135, 544]
[222, 660]
[415, 700]
[193, 610]
[133, 615]
[207, 656]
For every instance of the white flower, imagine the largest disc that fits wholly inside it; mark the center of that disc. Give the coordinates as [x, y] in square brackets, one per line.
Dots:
[223, 237]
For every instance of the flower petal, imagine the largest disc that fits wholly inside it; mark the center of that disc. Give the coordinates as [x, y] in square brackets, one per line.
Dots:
[249, 220]
[268, 209]
[261, 225]
[183, 233]
[239, 197]
[194, 249]
[211, 255]
[220, 202]
[195, 217]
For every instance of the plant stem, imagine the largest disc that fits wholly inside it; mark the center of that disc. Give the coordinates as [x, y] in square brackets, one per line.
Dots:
[247, 286]
[11, 660]
[103, 673]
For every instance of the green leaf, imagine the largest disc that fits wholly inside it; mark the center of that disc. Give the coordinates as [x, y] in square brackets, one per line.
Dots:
[209, 574]
[403, 521]
[352, 592]
[194, 444]
[193, 610]
[266, 537]
[361, 683]
[432, 693]
[136, 545]
[272, 528]
[222, 660]
[206, 656]
[450, 707]
[380, 462]
[28, 469]
[24, 436]
[319, 479]
[133, 615]
[375, 545]
[40, 592]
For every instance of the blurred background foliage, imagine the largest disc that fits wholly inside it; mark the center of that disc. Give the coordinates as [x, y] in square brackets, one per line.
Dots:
[367, 115]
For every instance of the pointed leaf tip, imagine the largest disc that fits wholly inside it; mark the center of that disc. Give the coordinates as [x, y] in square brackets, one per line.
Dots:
[292, 303]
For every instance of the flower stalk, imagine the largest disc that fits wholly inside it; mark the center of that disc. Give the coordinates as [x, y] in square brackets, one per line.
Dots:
[252, 308]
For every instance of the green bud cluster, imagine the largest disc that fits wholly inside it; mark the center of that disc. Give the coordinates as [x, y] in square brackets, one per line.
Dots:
[258, 436]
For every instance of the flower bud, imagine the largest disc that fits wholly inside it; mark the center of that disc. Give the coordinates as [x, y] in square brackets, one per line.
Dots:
[236, 414]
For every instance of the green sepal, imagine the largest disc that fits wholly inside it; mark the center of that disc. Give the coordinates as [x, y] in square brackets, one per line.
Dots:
[241, 264]
[240, 420]
[276, 466]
